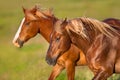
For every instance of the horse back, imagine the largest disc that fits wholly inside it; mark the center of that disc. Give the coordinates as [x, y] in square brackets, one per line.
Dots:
[112, 22]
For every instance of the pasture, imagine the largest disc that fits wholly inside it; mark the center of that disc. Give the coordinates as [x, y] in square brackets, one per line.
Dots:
[28, 63]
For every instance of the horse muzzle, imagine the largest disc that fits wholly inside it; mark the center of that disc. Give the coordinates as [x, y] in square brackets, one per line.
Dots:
[18, 43]
[51, 61]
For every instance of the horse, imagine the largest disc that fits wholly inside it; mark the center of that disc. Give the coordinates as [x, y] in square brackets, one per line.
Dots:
[98, 41]
[43, 21]
[37, 21]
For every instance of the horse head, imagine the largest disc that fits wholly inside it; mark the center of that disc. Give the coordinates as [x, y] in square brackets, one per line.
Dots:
[30, 25]
[59, 42]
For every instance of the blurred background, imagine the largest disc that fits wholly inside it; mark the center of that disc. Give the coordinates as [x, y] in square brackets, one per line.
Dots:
[28, 63]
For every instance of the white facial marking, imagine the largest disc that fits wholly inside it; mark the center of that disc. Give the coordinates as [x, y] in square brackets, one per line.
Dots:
[18, 32]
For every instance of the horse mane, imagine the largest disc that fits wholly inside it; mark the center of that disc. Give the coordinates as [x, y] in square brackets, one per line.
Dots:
[78, 26]
[46, 14]
[43, 12]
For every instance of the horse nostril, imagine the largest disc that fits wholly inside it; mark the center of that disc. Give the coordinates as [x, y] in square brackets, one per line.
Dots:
[16, 43]
[20, 42]
[48, 60]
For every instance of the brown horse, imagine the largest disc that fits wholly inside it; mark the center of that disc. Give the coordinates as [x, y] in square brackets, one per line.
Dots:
[35, 20]
[98, 41]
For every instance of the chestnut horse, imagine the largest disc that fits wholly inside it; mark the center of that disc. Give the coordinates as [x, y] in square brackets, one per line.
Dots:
[37, 21]
[43, 22]
[98, 41]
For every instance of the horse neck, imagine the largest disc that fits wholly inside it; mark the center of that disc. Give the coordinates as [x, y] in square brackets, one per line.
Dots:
[87, 29]
[81, 42]
[46, 27]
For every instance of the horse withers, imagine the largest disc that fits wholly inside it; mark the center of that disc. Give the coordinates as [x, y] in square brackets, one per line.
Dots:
[98, 41]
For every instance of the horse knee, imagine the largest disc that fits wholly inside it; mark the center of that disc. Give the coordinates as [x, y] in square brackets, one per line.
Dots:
[57, 69]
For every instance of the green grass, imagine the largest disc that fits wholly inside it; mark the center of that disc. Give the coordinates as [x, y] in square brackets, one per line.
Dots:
[28, 63]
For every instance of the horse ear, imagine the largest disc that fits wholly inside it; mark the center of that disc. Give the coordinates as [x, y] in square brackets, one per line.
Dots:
[64, 23]
[24, 10]
[35, 9]
[65, 20]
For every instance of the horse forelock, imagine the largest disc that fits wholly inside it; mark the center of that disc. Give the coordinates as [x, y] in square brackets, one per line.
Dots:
[57, 26]
[40, 14]
[19, 30]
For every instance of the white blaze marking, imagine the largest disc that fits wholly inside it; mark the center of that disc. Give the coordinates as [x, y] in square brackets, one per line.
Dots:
[18, 32]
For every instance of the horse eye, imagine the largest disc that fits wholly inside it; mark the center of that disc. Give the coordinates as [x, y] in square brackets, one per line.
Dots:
[28, 23]
[58, 38]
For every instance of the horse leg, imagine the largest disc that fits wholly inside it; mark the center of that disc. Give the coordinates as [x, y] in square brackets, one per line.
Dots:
[102, 74]
[57, 69]
[70, 68]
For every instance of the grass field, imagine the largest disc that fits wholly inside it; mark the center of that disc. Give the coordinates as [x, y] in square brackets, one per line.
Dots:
[28, 63]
